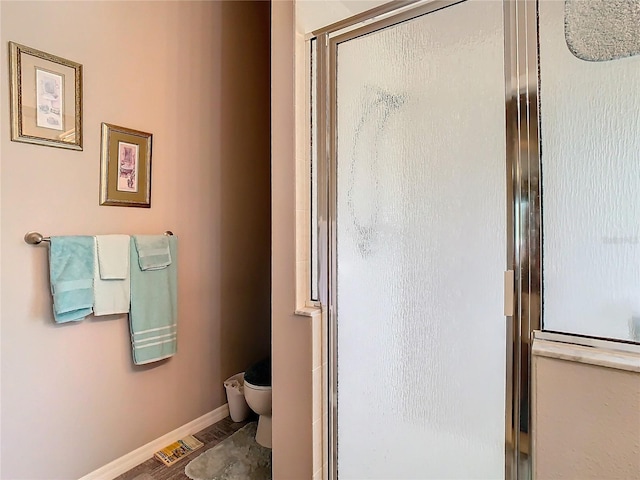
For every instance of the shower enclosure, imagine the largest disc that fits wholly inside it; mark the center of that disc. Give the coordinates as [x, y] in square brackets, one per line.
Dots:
[421, 168]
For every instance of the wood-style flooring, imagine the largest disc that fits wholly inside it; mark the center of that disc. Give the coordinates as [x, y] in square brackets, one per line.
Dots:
[153, 469]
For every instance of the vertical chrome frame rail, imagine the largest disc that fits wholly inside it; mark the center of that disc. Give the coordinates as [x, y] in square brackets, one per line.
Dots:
[523, 203]
[524, 224]
[327, 220]
[325, 227]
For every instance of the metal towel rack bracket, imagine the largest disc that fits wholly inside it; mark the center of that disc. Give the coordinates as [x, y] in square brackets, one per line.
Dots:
[36, 238]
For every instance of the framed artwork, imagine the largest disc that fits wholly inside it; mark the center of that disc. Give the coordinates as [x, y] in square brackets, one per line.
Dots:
[46, 98]
[125, 166]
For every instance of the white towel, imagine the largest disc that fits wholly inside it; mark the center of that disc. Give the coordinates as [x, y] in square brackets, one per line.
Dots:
[111, 284]
[113, 256]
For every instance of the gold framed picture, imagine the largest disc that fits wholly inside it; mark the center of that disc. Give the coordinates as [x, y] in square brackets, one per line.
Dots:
[46, 98]
[125, 166]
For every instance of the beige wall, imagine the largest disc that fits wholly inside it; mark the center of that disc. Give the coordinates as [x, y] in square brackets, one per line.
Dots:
[196, 75]
[292, 352]
[586, 421]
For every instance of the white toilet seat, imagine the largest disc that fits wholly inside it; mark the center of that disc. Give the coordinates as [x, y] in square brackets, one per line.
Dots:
[256, 387]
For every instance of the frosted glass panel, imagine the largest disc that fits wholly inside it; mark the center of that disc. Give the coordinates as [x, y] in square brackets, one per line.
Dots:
[590, 134]
[421, 248]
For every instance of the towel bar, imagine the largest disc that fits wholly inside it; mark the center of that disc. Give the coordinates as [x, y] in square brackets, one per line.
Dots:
[35, 238]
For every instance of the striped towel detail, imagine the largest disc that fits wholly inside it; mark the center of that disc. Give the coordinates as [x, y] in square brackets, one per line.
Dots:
[154, 337]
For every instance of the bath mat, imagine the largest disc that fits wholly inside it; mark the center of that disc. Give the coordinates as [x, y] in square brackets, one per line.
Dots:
[601, 30]
[238, 457]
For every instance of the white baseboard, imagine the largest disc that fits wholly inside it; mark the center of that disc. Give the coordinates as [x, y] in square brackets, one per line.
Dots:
[144, 453]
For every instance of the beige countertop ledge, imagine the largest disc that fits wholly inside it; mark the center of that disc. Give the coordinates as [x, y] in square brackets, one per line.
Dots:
[308, 311]
[604, 353]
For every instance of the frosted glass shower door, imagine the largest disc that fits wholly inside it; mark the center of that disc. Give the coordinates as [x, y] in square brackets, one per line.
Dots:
[421, 247]
[590, 124]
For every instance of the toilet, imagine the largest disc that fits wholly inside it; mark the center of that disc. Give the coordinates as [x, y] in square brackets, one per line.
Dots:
[257, 392]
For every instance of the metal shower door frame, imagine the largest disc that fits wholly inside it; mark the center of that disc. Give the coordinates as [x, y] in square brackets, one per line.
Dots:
[523, 216]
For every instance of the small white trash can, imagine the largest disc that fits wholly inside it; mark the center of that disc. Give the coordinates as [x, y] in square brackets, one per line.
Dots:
[238, 408]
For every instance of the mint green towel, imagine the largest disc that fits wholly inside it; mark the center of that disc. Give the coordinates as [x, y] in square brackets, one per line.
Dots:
[154, 307]
[71, 264]
[153, 251]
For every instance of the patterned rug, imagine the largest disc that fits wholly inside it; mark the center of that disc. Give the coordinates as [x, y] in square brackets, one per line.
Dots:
[238, 457]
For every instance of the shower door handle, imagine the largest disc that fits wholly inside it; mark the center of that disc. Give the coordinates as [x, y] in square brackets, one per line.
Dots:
[509, 294]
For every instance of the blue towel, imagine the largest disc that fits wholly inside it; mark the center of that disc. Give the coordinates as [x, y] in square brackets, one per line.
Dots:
[71, 264]
[154, 307]
[153, 251]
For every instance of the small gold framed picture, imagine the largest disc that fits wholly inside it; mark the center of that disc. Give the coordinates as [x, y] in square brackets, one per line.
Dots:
[125, 166]
[46, 98]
